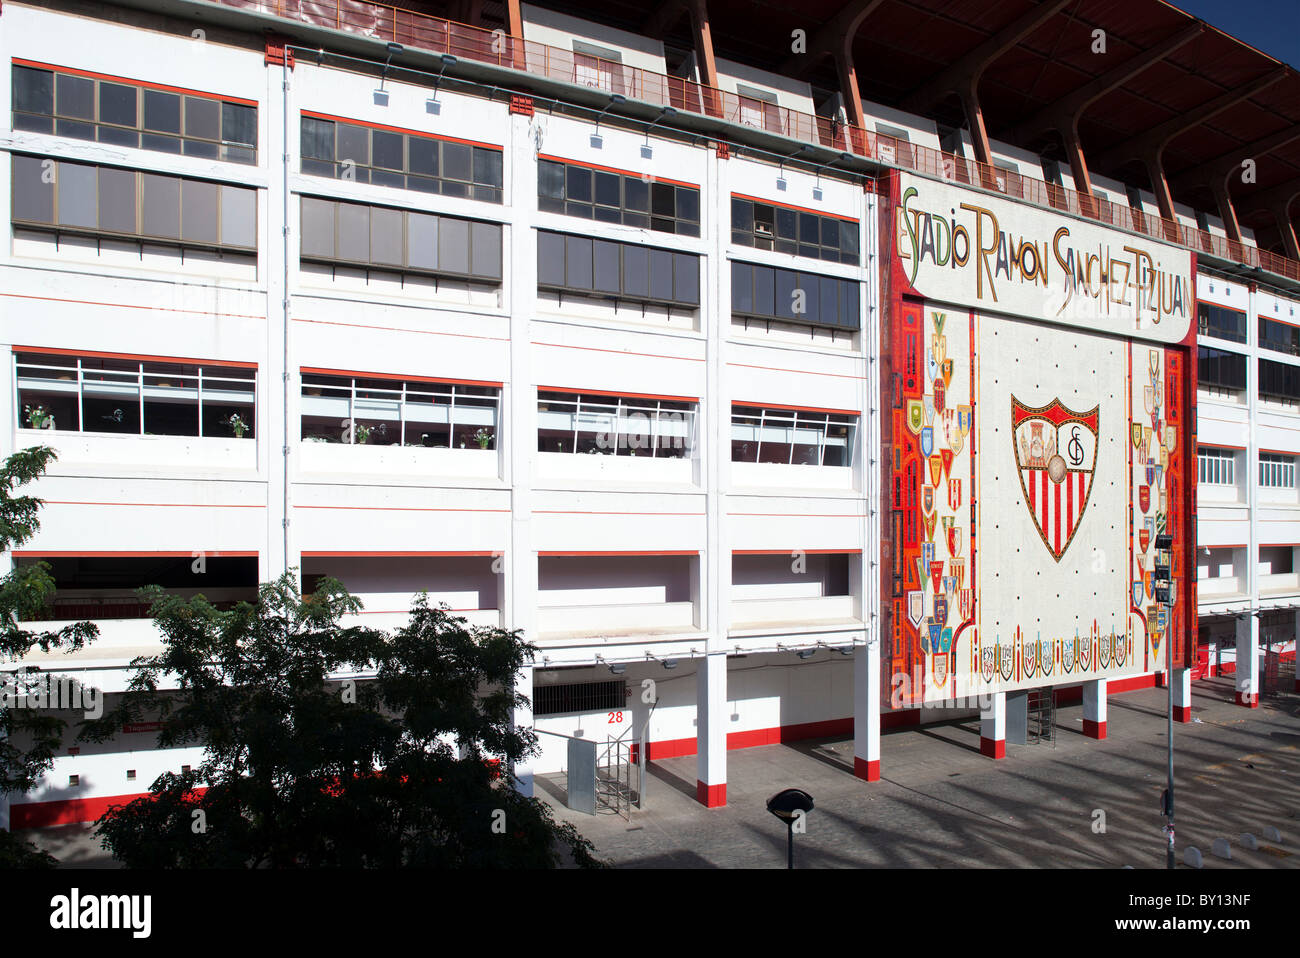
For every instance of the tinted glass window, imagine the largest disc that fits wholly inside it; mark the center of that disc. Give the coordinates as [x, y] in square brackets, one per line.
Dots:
[78, 188]
[239, 123]
[453, 246]
[202, 118]
[550, 259]
[118, 104]
[162, 111]
[456, 162]
[33, 90]
[117, 200]
[239, 216]
[199, 211]
[318, 227]
[33, 192]
[485, 244]
[161, 205]
[607, 267]
[317, 138]
[354, 232]
[636, 270]
[386, 236]
[422, 241]
[76, 97]
[578, 260]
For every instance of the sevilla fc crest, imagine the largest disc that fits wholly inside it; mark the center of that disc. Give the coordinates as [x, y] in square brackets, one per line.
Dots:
[1056, 452]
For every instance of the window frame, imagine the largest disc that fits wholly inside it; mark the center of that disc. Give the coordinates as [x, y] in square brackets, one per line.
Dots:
[794, 419]
[1216, 466]
[138, 135]
[621, 213]
[750, 207]
[488, 190]
[441, 224]
[143, 179]
[402, 387]
[618, 409]
[684, 269]
[146, 368]
[787, 281]
[1276, 470]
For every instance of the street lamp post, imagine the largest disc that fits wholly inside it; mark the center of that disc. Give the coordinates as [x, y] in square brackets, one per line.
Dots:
[790, 806]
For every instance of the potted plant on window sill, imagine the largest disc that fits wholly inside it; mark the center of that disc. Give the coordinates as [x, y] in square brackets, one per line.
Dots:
[38, 417]
[237, 425]
[483, 437]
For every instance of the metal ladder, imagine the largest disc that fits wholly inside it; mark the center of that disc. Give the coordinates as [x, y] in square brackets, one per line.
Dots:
[1042, 717]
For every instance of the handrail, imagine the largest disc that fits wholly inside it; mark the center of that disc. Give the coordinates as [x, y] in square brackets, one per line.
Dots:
[439, 35]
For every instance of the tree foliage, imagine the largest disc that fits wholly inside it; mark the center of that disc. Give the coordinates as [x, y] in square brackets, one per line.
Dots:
[401, 765]
[29, 738]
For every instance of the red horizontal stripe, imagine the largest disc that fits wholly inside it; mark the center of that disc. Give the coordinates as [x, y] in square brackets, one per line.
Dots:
[126, 554]
[773, 405]
[632, 552]
[786, 552]
[315, 554]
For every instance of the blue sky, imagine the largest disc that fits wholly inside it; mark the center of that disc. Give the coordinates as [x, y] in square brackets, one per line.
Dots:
[1272, 26]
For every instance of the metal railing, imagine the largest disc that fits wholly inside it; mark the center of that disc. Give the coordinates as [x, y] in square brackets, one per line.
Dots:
[438, 35]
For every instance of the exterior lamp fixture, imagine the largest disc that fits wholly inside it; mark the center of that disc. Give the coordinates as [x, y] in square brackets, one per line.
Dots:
[614, 100]
[670, 663]
[791, 806]
[381, 96]
[647, 151]
[432, 105]
[806, 653]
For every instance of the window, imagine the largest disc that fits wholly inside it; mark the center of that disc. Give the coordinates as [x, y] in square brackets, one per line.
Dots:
[758, 108]
[1219, 369]
[579, 697]
[773, 227]
[1215, 466]
[607, 196]
[894, 144]
[1279, 381]
[767, 292]
[126, 114]
[132, 396]
[376, 411]
[598, 67]
[608, 269]
[1276, 471]
[1221, 322]
[106, 201]
[349, 151]
[1279, 337]
[615, 425]
[379, 237]
[792, 436]
[105, 587]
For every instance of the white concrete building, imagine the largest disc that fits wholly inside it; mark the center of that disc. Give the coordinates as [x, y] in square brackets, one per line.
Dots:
[380, 314]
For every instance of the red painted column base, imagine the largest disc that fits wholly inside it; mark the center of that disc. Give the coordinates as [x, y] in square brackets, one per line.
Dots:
[1182, 713]
[993, 747]
[711, 796]
[1249, 701]
[1093, 729]
[868, 771]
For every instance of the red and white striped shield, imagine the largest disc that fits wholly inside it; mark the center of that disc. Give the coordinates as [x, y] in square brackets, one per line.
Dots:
[1056, 451]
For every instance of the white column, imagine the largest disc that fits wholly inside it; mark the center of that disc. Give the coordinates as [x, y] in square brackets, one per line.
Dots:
[1094, 709]
[518, 426]
[1248, 657]
[866, 710]
[711, 730]
[1182, 695]
[993, 727]
[278, 389]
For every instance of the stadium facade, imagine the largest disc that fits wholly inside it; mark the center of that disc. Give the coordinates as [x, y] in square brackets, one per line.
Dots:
[767, 410]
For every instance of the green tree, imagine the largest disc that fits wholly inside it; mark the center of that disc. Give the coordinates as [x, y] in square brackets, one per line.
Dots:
[301, 770]
[29, 738]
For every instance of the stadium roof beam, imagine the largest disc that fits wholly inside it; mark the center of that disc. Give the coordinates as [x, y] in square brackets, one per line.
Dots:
[1150, 147]
[1068, 109]
[963, 77]
[834, 36]
[1277, 200]
[1219, 171]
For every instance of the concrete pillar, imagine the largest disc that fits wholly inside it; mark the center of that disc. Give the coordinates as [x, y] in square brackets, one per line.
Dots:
[1227, 212]
[1297, 651]
[866, 712]
[1248, 661]
[993, 727]
[1094, 709]
[711, 730]
[523, 771]
[1182, 695]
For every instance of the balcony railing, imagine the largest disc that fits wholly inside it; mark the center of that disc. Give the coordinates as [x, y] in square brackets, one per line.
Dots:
[437, 35]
